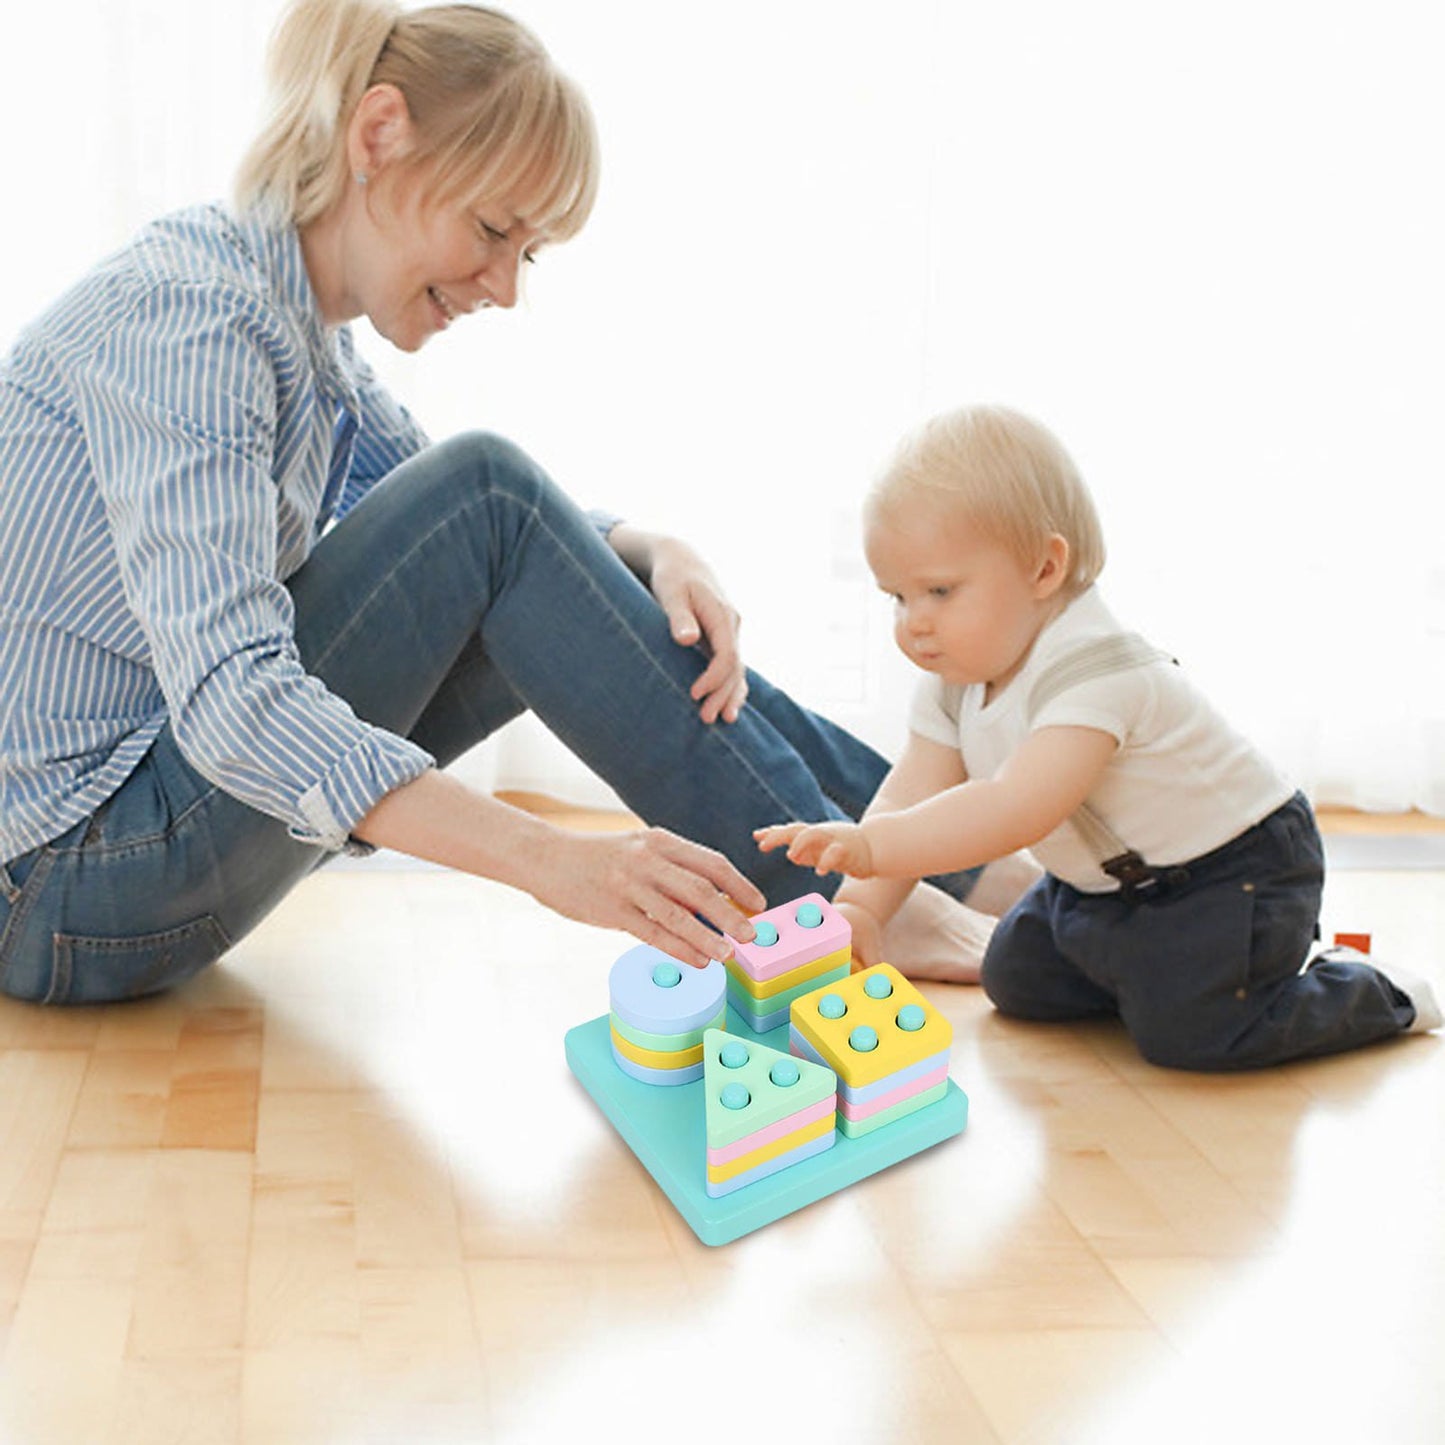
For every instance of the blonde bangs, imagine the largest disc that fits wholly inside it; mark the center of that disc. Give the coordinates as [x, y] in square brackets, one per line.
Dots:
[533, 145]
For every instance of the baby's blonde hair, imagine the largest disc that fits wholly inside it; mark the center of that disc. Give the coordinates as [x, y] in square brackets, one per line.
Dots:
[492, 115]
[1011, 475]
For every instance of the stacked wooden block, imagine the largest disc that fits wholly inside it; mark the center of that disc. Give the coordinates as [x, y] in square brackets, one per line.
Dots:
[765, 1110]
[660, 1010]
[800, 946]
[888, 1045]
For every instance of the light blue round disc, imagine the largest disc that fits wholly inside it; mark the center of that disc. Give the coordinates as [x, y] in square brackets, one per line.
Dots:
[691, 1002]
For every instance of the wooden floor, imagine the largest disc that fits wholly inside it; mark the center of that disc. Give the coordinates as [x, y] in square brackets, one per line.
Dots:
[343, 1189]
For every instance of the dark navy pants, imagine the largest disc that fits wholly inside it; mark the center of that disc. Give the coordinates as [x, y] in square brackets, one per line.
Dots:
[1206, 974]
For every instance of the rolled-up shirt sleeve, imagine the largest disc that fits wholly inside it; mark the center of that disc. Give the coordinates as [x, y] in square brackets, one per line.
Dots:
[180, 412]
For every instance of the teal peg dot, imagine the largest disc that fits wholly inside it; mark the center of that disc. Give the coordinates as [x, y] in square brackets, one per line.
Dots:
[784, 1073]
[911, 1018]
[734, 1055]
[809, 915]
[735, 1096]
[831, 1006]
[879, 985]
[863, 1040]
[666, 975]
[765, 935]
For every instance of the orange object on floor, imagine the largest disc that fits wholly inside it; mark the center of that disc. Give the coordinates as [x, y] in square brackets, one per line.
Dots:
[1353, 940]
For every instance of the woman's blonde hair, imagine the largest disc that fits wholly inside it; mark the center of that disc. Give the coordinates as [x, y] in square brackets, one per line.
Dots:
[1012, 476]
[492, 115]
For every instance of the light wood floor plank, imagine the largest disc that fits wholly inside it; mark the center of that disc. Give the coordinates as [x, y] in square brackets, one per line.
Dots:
[343, 1190]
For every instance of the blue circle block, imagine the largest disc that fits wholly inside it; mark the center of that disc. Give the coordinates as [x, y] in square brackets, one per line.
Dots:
[784, 1073]
[879, 986]
[911, 1018]
[735, 1096]
[831, 1006]
[863, 1040]
[809, 915]
[692, 1001]
[734, 1055]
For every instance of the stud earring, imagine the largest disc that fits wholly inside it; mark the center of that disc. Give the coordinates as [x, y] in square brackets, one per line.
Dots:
[360, 178]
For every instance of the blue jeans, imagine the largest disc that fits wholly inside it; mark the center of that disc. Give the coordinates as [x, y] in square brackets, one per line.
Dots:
[1207, 974]
[463, 590]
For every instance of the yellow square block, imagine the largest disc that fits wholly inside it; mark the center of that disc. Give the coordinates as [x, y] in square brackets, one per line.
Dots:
[838, 1043]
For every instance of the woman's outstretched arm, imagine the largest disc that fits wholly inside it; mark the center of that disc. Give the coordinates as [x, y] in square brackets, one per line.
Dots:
[649, 883]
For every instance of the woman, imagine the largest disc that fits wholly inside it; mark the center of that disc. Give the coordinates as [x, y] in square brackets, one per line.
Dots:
[209, 688]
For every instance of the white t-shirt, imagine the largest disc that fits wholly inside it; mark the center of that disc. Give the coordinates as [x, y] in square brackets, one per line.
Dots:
[1182, 782]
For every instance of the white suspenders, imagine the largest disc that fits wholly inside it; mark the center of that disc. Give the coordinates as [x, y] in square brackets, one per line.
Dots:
[1083, 663]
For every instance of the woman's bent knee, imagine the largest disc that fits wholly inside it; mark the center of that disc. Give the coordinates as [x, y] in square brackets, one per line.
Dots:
[493, 463]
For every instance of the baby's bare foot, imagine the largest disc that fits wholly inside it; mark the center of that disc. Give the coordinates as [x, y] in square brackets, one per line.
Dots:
[933, 936]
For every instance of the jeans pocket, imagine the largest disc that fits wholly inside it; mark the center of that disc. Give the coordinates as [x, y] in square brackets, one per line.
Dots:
[106, 970]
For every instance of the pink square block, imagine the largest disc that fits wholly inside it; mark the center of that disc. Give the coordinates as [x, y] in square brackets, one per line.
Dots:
[796, 945]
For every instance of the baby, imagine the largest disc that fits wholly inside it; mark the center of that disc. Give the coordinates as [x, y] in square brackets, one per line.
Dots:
[1183, 872]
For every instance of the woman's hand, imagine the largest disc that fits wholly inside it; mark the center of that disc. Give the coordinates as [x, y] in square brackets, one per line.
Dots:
[698, 614]
[824, 847]
[651, 884]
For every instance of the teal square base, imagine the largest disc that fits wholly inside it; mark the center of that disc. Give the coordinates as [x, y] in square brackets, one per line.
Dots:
[665, 1126]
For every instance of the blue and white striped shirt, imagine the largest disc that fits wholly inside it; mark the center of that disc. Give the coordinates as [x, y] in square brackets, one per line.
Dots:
[175, 433]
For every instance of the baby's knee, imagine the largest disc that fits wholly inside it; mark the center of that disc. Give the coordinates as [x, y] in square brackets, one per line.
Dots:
[1016, 990]
[1174, 1043]
[1002, 987]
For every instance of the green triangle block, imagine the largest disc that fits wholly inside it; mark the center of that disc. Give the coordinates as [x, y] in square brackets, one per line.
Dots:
[768, 1102]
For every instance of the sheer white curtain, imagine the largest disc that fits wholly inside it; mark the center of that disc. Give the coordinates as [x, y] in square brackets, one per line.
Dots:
[1203, 245]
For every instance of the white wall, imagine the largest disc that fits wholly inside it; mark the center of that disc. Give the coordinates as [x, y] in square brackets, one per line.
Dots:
[1203, 244]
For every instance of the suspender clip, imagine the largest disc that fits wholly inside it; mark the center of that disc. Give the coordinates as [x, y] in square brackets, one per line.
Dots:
[1134, 875]
[1137, 880]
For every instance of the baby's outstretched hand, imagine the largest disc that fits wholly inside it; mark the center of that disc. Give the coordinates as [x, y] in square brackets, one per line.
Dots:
[823, 847]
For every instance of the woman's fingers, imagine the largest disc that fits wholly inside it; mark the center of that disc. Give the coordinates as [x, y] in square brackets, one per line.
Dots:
[683, 624]
[680, 888]
[678, 934]
[721, 687]
[679, 896]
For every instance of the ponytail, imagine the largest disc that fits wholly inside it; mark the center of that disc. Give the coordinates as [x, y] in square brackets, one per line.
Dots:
[318, 65]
